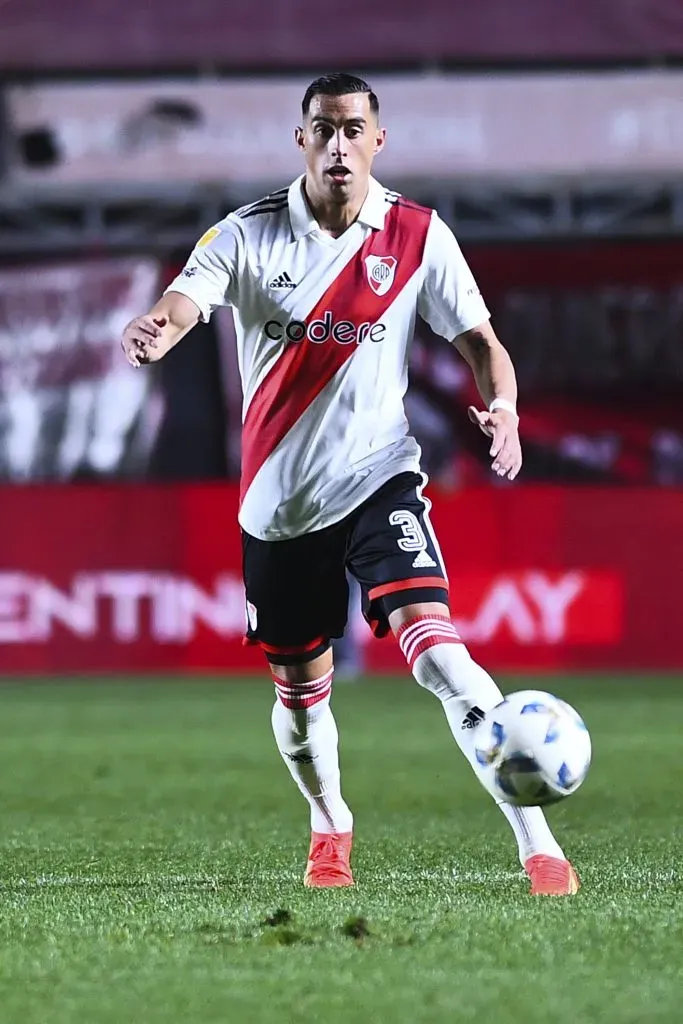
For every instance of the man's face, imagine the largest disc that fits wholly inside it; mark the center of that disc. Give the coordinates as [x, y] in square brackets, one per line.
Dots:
[340, 138]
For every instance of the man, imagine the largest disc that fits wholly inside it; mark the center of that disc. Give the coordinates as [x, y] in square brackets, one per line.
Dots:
[326, 277]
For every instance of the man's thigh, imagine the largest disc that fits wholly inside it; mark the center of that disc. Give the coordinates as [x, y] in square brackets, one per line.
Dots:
[393, 552]
[296, 591]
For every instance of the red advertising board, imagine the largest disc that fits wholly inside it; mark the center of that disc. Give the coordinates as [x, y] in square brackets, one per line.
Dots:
[129, 578]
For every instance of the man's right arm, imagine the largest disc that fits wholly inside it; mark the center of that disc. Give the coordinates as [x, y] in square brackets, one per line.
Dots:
[148, 338]
[208, 280]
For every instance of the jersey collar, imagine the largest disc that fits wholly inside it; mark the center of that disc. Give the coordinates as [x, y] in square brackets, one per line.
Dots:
[303, 222]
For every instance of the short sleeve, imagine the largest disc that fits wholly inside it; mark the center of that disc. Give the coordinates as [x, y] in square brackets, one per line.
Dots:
[449, 298]
[211, 273]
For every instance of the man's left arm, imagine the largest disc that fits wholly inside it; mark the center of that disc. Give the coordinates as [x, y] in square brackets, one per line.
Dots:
[495, 378]
[451, 303]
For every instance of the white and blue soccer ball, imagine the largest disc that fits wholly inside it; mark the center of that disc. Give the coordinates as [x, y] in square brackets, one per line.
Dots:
[533, 748]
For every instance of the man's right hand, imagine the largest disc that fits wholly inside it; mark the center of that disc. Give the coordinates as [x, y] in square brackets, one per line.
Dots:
[140, 340]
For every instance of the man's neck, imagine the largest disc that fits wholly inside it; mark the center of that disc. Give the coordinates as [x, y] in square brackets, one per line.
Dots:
[333, 218]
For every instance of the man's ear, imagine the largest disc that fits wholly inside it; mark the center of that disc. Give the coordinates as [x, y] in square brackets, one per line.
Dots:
[299, 138]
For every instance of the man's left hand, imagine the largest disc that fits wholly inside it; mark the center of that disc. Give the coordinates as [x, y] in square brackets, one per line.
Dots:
[503, 427]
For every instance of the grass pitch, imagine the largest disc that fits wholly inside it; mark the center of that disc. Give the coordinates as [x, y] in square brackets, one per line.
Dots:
[152, 846]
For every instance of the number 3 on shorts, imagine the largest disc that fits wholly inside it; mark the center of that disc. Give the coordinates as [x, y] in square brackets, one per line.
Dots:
[413, 538]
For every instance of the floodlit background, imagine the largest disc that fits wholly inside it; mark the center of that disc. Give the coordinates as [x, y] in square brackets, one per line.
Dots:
[552, 145]
[152, 843]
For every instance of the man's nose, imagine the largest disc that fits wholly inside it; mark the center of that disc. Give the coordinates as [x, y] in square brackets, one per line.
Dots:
[337, 146]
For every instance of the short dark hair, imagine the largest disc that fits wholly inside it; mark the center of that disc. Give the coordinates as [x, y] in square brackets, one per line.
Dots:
[338, 84]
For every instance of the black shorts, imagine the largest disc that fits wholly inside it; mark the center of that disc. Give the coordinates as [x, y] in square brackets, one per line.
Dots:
[297, 591]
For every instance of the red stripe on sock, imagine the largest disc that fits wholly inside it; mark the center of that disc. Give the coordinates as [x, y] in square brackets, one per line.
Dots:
[441, 636]
[299, 696]
[302, 703]
[425, 631]
[403, 629]
[430, 641]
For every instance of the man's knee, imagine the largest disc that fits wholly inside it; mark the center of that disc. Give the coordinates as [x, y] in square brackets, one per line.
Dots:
[303, 683]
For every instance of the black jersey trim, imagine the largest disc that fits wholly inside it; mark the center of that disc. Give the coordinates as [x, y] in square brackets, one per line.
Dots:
[279, 196]
[269, 208]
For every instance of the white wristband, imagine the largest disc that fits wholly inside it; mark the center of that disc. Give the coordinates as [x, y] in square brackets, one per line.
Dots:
[502, 403]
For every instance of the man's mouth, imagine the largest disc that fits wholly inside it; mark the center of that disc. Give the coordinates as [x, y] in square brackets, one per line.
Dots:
[338, 173]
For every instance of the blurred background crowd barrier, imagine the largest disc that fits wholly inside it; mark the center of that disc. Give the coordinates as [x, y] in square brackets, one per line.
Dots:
[549, 136]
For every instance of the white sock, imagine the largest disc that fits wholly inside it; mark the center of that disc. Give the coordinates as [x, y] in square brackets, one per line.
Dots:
[442, 664]
[307, 738]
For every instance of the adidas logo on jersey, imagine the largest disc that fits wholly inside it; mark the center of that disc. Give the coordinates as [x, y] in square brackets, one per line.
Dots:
[282, 280]
[424, 561]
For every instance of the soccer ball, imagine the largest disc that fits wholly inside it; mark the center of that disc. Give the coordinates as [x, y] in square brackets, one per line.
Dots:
[534, 749]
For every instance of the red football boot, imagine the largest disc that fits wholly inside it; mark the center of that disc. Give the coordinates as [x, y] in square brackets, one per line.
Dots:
[551, 876]
[328, 860]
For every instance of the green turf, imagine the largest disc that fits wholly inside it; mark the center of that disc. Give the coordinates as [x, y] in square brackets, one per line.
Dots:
[149, 833]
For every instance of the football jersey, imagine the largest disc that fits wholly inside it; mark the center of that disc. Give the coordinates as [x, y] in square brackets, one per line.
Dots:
[324, 327]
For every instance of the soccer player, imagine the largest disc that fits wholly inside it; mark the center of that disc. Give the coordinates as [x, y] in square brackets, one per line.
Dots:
[326, 278]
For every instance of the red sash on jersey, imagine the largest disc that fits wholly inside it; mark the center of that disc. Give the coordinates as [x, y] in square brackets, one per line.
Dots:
[304, 368]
